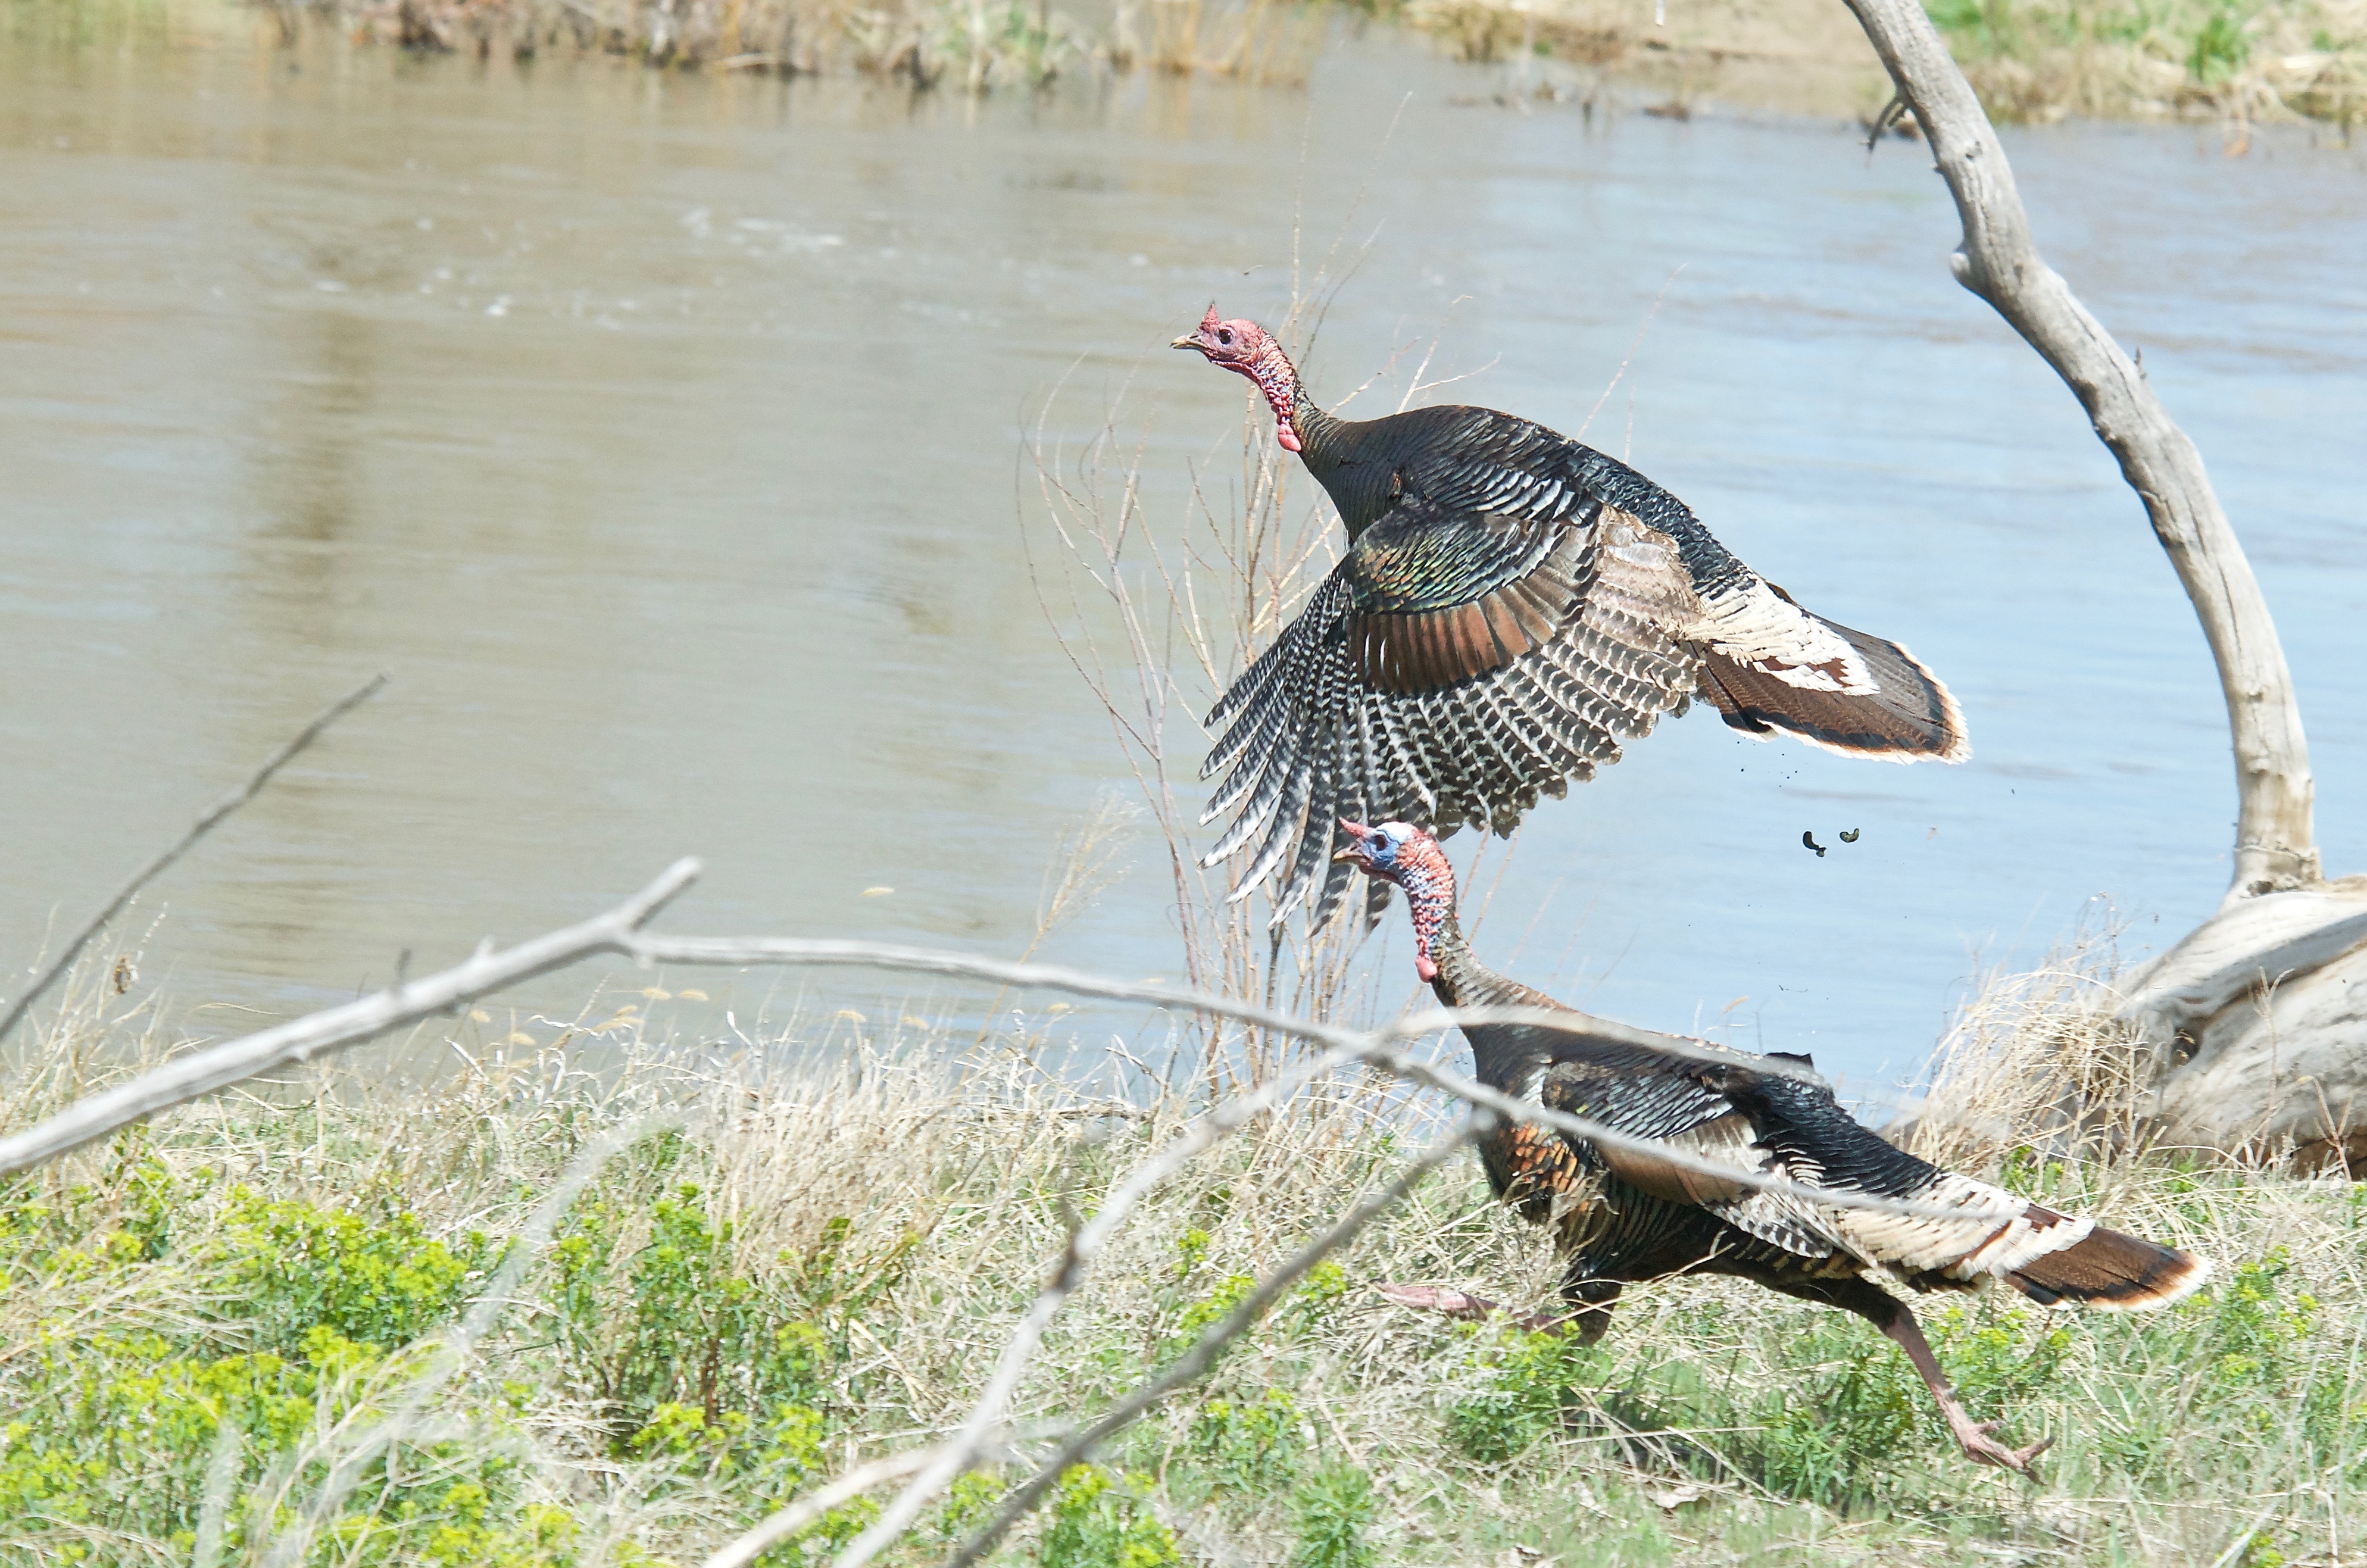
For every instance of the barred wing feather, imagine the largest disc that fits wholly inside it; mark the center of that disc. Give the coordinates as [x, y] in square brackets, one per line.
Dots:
[1452, 668]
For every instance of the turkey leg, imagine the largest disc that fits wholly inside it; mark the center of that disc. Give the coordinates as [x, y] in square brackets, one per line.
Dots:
[1892, 1316]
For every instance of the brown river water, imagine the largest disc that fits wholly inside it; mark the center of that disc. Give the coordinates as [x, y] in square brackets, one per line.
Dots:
[662, 438]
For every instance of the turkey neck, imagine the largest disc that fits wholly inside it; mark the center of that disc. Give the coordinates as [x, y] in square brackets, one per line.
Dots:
[1505, 1058]
[1357, 461]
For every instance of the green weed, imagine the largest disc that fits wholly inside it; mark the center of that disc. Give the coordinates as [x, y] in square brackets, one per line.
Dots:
[1100, 1520]
[1334, 1508]
[1529, 1385]
[1247, 1448]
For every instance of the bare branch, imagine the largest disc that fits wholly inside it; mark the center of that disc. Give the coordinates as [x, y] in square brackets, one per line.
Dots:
[801, 952]
[617, 931]
[1189, 1366]
[814, 1504]
[198, 829]
[1372, 1048]
[2275, 843]
[202, 1072]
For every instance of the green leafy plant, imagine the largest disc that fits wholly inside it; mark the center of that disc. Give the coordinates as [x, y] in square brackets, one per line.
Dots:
[1826, 1435]
[296, 1267]
[2219, 47]
[1248, 1447]
[685, 1331]
[1100, 1520]
[1528, 1383]
[1333, 1508]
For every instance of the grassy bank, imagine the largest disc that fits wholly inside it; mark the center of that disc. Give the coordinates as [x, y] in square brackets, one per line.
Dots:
[2238, 61]
[2029, 59]
[205, 1326]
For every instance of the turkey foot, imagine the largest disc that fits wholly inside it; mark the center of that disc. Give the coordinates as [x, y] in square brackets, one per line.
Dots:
[1475, 1309]
[1975, 1441]
[1971, 1436]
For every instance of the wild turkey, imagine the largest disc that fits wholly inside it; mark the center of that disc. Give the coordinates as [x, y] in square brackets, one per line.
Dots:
[1620, 1219]
[1512, 605]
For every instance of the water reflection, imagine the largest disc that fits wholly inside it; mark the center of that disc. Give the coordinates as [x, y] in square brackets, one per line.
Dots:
[659, 436]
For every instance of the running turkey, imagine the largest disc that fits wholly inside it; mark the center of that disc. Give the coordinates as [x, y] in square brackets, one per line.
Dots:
[1620, 1218]
[1511, 606]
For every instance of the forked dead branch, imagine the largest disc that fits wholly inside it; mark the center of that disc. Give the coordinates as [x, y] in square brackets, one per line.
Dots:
[2252, 1022]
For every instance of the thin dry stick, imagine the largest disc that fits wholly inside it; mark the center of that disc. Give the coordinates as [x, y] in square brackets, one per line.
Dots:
[202, 1072]
[1204, 1350]
[204, 825]
[814, 1504]
[617, 931]
[213, 1507]
[1370, 1047]
[1630, 358]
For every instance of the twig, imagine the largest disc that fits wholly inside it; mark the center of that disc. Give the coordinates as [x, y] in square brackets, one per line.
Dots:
[814, 1504]
[617, 931]
[1204, 1351]
[204, 825]
[202, 1072]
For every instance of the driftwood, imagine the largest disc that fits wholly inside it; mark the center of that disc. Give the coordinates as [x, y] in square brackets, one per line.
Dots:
[2250, 1019]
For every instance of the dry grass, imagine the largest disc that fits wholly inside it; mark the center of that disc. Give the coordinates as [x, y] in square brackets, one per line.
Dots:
[972, 45]
[2036, 1061]
[897, 1207]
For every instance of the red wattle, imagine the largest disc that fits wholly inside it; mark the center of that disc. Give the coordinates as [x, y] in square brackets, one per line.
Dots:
[1424, 967]
[1289, 438]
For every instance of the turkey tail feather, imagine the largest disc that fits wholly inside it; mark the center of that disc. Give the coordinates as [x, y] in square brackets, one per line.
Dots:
[1909, 717]
[2112, 1270]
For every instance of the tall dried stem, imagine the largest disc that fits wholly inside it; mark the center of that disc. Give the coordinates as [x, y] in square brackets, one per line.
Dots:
[1155, 628]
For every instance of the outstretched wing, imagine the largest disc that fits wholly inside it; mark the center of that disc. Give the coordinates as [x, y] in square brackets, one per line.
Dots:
[1525, 605]
[1453, 666]
[1769, 665]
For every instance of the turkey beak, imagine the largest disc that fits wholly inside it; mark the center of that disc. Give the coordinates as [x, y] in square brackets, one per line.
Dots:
[1353, 849]
[1185, 343]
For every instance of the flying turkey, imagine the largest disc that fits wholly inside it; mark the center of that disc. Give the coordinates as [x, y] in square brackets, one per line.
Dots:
[1621, 1218]
[1512, 605]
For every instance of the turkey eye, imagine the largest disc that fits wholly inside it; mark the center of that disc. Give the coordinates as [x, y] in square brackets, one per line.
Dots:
[1225, 337]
